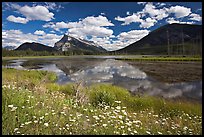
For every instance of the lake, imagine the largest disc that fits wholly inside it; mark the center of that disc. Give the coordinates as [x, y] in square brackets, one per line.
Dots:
[127, 74]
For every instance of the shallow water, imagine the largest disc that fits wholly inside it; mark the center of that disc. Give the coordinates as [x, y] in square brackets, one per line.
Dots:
[106, 69]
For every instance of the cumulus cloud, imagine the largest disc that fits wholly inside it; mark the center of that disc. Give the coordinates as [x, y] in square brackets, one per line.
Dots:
[39, 32]
[141, 3]
[97, 21]
[30, 13]
[172, 20]
[154, 12]
[17, 37]
[149, 9]
[17, 19]
[131, 36]
[89, 26]
[53, 6]
[36, 13]
[147, 23]
[90, 31]
[128, 13]
[195, 17]
[179, 11]
[129, 19]
[89, 22]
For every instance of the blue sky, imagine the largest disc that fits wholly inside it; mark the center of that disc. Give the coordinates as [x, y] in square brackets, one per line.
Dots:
[113, 25]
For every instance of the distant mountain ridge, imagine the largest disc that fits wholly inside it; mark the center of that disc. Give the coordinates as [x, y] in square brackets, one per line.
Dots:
[35, 47]
[156, 41]
[9, 47]
[69, 43]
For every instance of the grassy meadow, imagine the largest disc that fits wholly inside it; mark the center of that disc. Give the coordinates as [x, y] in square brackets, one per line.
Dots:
[33, 104]
[163, 58]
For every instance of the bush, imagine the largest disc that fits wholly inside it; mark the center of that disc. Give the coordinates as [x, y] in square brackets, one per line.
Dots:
[107, 93]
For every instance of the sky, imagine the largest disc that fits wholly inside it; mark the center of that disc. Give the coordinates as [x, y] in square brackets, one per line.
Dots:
[112, 25]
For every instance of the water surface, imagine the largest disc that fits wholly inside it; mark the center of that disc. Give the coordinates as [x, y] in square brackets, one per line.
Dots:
[105, 69]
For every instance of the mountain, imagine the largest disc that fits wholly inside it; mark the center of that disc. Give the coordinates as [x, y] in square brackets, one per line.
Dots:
[9, 47]
[35, 47]
[176, 34]
[69, 43]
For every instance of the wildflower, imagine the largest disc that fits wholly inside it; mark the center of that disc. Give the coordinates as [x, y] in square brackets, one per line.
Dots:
[10, 106]
[18, 132]
[135, 131]
[118, 107]
[159, 133]
[46, 114]
[35, 121]
[185, 128]
[15, 129]
[148, 132]
[124, 112]
[14, 108]
[118, 102]
[85, 109]
[26, 123]
[96, 117]
[120, 117]
[122, 126]
[104, 125]
[42, 117]
[129, 124]
[137, 121]
[46, 124]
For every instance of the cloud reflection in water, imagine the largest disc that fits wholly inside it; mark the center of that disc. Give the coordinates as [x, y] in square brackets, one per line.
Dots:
[121, 74]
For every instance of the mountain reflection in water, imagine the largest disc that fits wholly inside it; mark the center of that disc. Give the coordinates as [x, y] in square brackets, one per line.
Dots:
[117, 73]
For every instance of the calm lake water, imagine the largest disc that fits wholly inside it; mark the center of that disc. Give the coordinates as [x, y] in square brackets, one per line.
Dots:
[105, 69]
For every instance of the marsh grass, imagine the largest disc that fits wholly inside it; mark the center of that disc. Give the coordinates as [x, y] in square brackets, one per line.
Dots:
[49, 108]
[162, 59]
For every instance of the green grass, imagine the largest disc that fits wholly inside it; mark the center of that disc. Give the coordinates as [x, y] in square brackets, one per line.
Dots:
[32, 103]
[163, 59]
[30, 57]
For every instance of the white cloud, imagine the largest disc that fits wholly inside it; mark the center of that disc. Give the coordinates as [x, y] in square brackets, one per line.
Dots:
[97, 21]
[172, 20]
[155, 13]
[129, 19]
[147, 23]
[120, 41]
[17, 19]
[152, 13]
[160, 4]
[89, 26]
[17, 37]
[195, 17]
[132, 36]
[39, 32]
[90, 31]
[141, 3]
[89, 22]
[36, 13]
[31, 13]
[128, 13]
[10, 5]
[179, 11]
